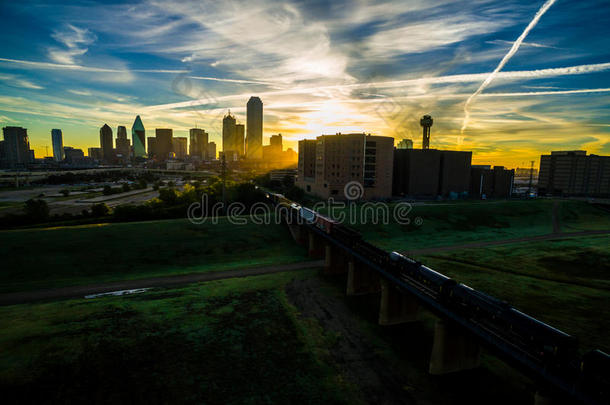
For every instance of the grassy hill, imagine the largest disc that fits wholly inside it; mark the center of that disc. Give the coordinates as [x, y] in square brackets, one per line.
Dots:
[87, 254]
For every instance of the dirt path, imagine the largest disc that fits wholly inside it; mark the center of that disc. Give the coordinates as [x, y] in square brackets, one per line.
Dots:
[168, 281]
[353, 354]
[507, 241]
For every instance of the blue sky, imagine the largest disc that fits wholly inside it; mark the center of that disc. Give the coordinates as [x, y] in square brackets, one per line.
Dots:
[319, 67]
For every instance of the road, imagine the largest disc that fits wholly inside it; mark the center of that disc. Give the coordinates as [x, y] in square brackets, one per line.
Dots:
[167, 281]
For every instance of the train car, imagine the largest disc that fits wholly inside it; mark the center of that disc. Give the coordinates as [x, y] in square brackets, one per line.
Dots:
[477, 304]
[548, 344]
[595, 372]
[346, 235]
[308, 215]
[430, 279]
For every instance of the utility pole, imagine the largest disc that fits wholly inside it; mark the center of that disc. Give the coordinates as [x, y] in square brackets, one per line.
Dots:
[529, 188]
[47, 153]
[223, 175]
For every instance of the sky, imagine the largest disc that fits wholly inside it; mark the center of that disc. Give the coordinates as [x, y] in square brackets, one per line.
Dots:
[319, 67]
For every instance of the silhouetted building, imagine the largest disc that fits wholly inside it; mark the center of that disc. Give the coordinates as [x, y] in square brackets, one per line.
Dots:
[57, 141]
[123, 145]
[426, 122]
[307, 160]
[341, 159]
[179, 145]
[74, 156]
[211, 151]
[230, 141]
[405, 144]
[254, 128]
[454, 172]
[430, 172]
[106, 143]
[239, 139]
[486, 182]
[138, 138]
[163, 143]
[198, 143]
[95, 153]
[574, 173]
[152, 153]
[15, 148]
[416, 172]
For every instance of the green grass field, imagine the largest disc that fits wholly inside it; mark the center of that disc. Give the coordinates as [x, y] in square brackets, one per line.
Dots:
[229, 341]
[564, 282]
[87, 254]
[446, 224]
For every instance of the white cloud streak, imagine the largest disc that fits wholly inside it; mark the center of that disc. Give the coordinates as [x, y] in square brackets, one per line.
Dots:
[505, 60]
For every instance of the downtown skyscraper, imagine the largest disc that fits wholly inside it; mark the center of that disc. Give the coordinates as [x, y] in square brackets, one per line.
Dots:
[106, 143]
[58, 145]
[254, 129]
[138, 138]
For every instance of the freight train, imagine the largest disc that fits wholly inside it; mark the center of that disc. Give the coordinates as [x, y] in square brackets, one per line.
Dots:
[540, 342]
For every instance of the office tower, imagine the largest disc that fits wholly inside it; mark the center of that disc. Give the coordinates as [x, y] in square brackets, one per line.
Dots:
[254, 128]
[179, 147]
[95, 153]
[106, 143]
[228, 136]
[211, 151]
[198, 143]
[239, 139]
[16, 148]
[341, 159]
[58, 145]
[152, 142]
[574, 173]
[123, 146]
[163, 143]
[276, 141]
[138, 138]
[405, 144]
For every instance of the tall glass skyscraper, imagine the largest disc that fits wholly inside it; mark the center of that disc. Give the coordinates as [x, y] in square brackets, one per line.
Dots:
[254, 129]
[138, 138]
[58, 145]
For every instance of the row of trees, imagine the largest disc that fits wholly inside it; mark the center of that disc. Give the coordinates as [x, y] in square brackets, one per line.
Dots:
[171, 203]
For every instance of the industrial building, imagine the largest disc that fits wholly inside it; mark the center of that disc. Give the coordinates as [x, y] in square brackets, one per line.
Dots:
[343, 158]
[486, 182]
[574, 173]
[428, 173]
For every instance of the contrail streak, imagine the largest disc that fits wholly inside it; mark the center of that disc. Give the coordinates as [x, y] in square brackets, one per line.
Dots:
[504, 60]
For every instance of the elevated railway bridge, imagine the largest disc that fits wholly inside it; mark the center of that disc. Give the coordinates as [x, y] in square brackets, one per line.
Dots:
[467, 319]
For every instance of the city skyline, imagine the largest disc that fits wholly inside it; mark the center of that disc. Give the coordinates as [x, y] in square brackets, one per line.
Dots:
[319, 70]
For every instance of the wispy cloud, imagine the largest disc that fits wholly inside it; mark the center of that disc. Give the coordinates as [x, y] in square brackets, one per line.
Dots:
[75, 42]
[505, 59]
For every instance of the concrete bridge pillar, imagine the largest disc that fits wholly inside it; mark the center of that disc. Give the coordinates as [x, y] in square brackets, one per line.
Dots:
[315, 248]
[298, 233]
[334, 260]
[361, 280]
[396, 307]
[452, 351]
[541, 397]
